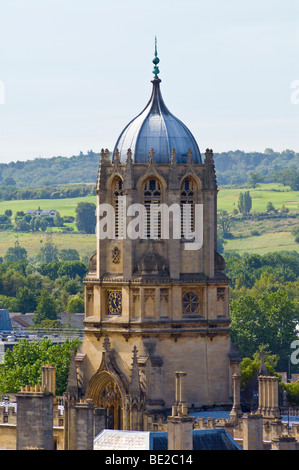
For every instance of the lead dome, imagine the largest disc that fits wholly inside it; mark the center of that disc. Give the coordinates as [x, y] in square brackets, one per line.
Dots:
[157, 128]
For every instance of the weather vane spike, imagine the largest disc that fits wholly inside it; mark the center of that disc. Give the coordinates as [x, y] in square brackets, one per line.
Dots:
[156, 60]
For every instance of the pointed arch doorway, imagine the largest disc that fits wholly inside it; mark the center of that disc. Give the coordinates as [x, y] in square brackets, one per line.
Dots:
[106, 393]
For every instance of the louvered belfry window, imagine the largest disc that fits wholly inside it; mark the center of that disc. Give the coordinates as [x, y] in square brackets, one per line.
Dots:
[152, 194]
[118, 207]
[187, 207]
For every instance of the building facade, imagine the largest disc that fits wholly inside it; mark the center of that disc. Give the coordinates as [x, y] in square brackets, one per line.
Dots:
[156, 301]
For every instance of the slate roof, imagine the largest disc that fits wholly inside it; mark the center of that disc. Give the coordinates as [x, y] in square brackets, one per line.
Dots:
[203, 439]
[5, 323]
[156, 127]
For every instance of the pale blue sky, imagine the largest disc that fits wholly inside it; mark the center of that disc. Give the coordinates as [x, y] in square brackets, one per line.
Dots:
[75, 72]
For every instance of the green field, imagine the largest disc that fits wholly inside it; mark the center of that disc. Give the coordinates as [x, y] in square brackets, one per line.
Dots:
[266, 243]
[274, 234]
[32, 242]
[63, 206]
[275, 193]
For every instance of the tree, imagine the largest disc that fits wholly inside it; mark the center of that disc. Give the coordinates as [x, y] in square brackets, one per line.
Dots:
[22, 365]
[12, 281]
[86, 217]
[255, 178]
[26, 301]
[4, 219]
[75, 304]
[9, 181]
[284, 176]
[292, 390]
[69, 254]
[46, 308]
[269, 320]
[58, 220]
[48, 252]
[244, 203]
[72, 269]
[15, 253]
[9, 303]
[249, 367]
[270, 207]
[294, 182]
[22, 226]
[225, 223]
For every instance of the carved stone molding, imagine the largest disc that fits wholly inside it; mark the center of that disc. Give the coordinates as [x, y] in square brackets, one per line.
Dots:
[164, 295]
[149, 294]
[116, 255]
[220, 294]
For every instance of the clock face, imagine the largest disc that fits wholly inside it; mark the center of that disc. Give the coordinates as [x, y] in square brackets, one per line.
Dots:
[114, 302]
[190, 303]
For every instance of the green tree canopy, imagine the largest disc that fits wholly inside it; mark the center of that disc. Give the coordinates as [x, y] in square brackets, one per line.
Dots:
[27, 302]
[15, 253]
[86, 217]
[47, 308]
[245, 203]
[75, 304]
[22, 365]
[269, 320]
[69, 254]
[48, 252]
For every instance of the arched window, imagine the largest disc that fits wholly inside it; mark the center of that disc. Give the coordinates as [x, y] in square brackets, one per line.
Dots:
[152, 194]
[187, 207]
[117, 191]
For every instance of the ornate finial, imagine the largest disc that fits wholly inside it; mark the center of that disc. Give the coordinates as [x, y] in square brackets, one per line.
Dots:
[151, 154]
[156, 61]
[129, 155]
[209, 154]
[107, 155]
[102, 154]
[134, 388]
[189, 156]
[116, 155]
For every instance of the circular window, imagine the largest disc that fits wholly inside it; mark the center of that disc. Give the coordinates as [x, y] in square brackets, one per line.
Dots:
[190, 303]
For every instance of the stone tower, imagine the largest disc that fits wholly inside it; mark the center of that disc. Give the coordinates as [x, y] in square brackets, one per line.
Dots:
[156, 302]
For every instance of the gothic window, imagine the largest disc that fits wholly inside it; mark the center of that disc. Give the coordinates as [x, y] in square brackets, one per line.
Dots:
[117, 189]
[187, 207]
[152, 194]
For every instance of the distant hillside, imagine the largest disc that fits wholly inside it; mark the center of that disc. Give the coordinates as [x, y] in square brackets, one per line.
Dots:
[232, 167]
[53, 171]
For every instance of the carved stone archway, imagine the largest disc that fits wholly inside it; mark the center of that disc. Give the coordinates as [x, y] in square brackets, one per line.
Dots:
[106, 393]
[108, 389]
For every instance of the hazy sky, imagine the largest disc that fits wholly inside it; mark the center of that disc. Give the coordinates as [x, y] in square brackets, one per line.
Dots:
[76, 72]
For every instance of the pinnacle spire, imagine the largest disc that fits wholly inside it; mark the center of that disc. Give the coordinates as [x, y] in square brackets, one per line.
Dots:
[156, 61]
